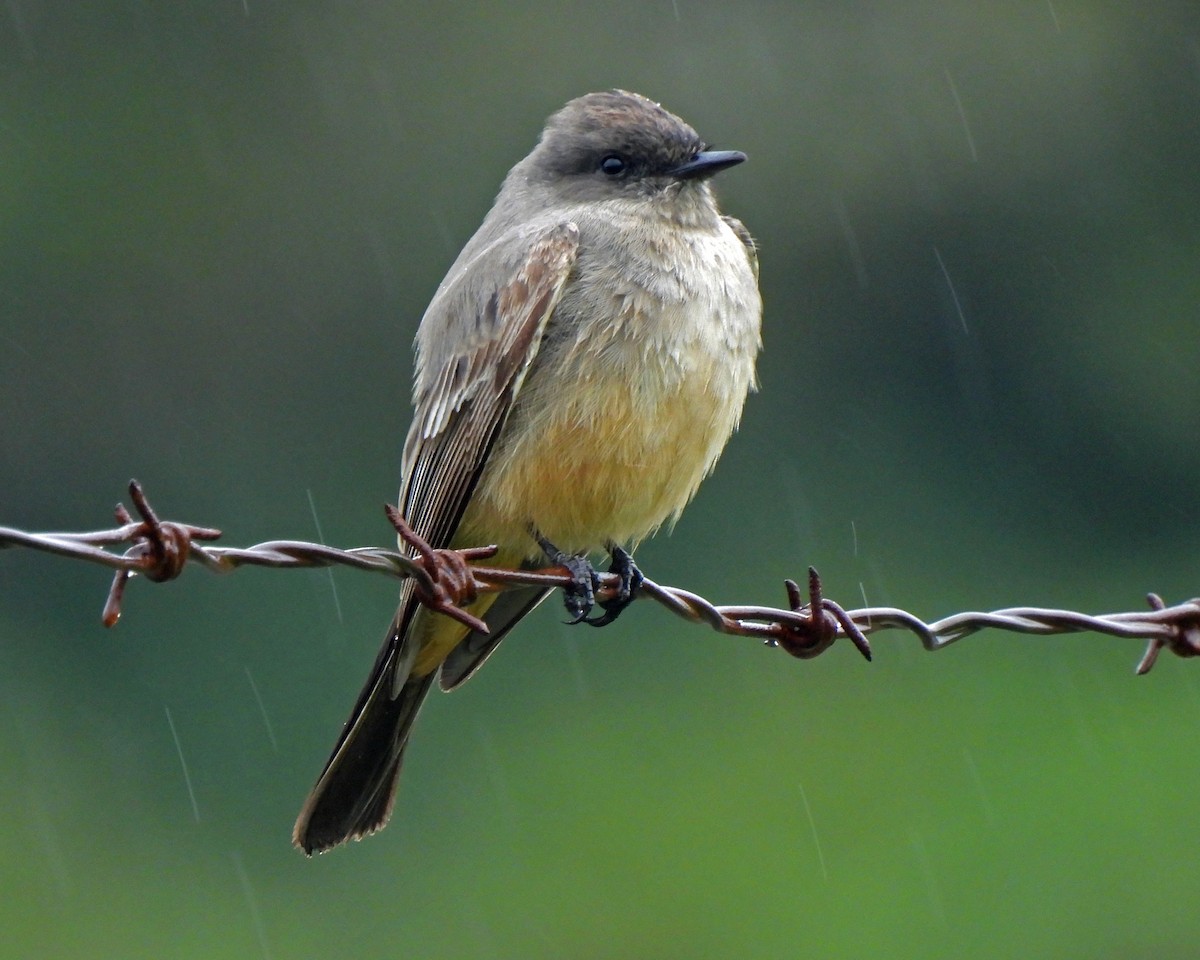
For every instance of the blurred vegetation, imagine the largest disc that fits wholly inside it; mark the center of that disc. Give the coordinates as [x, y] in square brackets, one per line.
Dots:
[980, 238]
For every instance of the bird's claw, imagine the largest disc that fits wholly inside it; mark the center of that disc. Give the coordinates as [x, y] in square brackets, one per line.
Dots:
[580, 596]
[630, 580]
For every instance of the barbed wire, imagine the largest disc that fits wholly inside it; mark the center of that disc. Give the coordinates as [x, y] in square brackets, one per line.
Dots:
[448, 580]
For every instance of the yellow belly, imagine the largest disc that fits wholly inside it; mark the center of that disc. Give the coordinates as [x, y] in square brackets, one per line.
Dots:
[601, 459]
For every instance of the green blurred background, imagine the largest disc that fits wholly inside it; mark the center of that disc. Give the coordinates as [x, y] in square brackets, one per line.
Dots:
[980, 233]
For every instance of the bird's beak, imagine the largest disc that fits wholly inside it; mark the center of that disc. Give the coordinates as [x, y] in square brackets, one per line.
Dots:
[706, 163]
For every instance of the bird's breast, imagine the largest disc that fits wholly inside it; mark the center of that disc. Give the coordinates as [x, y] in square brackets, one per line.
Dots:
[635, 390]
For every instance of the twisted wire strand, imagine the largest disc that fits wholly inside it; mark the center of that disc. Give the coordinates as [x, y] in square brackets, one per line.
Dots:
[159, 550]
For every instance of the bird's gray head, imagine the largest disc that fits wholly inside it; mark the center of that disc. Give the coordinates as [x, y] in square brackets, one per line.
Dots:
[613, 144]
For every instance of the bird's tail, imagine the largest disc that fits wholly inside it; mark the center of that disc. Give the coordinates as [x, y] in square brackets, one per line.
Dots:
[354, 795]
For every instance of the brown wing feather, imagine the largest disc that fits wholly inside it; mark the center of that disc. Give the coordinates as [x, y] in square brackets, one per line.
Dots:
[459, 417]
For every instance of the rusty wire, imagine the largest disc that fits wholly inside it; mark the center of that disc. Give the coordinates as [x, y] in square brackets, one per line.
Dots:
[449, 579]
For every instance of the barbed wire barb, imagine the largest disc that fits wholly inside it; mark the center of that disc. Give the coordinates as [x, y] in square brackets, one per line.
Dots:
[448, 580]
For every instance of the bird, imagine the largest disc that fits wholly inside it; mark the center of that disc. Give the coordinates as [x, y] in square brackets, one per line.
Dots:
[578, 372]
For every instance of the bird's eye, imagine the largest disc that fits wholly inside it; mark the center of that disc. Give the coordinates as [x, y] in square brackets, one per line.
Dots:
[613, 165]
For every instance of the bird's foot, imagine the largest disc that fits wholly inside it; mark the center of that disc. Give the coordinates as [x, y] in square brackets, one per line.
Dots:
[580, 596]
[627, 589]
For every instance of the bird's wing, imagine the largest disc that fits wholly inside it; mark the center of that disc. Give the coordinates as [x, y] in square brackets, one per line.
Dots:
[461, 405]
[463, 394]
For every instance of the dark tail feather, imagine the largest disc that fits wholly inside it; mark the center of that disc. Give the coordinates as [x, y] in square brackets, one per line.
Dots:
[354, 795]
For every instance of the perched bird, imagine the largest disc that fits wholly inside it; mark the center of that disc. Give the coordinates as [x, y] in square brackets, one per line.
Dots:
[578, 373]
